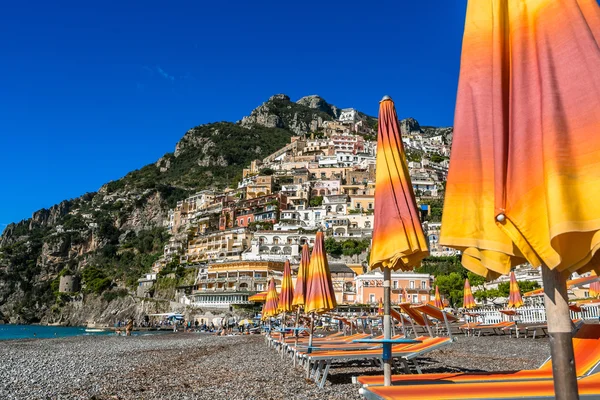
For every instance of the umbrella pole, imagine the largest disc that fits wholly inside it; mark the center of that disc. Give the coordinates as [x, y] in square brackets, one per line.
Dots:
[387, 328]
[296, 332]
[559, 331]
[310, 342]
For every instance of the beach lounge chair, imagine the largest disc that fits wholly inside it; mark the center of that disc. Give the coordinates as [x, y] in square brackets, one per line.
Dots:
[290, 344]
[589, 388]
[417, 318]
[586, 345]
[544, 328]
[498, 328]
[405, 353]
[445, 320]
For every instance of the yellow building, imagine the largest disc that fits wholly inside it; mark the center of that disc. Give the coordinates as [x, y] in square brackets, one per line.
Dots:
[226, 244]
[227, 283]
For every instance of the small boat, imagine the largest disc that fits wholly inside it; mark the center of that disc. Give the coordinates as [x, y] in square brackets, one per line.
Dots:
[94, 330]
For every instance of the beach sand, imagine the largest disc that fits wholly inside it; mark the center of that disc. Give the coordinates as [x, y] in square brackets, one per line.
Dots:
[199, 366]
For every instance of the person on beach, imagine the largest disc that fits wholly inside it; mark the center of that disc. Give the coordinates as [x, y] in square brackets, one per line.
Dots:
[129, 327]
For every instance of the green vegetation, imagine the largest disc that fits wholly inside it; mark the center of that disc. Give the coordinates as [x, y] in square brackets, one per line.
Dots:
[503, 290]
[95, 280]
[134, 257]
[214, 145]
[414, 155]
[450, 278]
[436, 158]
[349, 247]
[436, 207]
[266, 171]
[114, 294]
[316, 201]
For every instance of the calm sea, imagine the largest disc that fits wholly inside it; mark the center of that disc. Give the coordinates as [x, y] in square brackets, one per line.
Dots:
[40, 332]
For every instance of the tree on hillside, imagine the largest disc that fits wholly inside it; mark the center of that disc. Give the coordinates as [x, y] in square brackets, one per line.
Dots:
[452, 287]
[316, 201]
[333, 247]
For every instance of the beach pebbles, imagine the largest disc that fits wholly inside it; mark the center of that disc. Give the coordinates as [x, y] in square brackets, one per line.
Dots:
[199, 366]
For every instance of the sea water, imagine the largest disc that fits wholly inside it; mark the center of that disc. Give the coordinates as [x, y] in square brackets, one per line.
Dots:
[45, 332]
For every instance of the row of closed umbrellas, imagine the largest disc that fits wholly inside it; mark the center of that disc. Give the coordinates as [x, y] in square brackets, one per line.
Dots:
[313, 291]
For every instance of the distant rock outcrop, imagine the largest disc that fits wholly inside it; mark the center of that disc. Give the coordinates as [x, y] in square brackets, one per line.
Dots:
[305, 116]
[318, 103]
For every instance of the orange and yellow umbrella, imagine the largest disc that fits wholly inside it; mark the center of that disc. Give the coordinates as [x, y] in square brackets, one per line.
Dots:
[270, 307]
[468, 299]
[595, 289]
[258, 297]
[504, 206]
[523, 181]
[300, 288]
[398, 240]
[286, 293]
[514, 296]
[320, 296]
[438, 299]
[380, 307]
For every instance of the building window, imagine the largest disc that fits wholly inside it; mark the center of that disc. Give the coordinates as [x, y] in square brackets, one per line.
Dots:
[411, 284]
[423, 285]
[395, 284]
[371, 298]
[415, 298]
[370, 206]
[366, 283]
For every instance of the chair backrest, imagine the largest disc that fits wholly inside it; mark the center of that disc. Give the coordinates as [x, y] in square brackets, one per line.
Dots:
[434, 312]
[416, 316]
[586, 347]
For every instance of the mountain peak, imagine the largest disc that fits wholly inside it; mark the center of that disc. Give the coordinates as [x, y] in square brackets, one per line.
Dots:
[279, 96]
[302, 117]
[318, 103]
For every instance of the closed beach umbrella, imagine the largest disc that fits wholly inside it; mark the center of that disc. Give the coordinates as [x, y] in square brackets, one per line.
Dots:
[468, 299]
[514, 294]
[525, 163]
[320, 296]
[300, 288]
[380, 307]
[595, 289]
[398, 240]
[438, 299]
[258, 297]
[286, 293]
[270, 307]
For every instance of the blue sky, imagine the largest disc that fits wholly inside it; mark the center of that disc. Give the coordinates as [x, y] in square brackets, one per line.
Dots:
[92, 90]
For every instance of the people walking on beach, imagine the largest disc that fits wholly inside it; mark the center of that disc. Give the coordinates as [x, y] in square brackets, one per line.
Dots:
[129, 327]
[364, 320]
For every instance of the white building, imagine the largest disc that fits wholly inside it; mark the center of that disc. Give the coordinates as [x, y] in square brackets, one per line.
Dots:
[278, 245]
[349, 115]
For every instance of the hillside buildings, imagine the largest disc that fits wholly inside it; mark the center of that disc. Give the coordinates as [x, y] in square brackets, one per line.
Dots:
[239, 238]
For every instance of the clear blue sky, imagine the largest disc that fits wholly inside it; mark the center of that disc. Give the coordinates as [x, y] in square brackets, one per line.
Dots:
[91, 92]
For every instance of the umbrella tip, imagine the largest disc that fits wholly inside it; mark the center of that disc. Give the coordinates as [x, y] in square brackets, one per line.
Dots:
[386, 97]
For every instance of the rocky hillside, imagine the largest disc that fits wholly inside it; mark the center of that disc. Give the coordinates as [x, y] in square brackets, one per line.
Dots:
[112, 236]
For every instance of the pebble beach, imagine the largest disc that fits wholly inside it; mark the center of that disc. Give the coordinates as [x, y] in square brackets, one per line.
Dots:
[201, 366]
